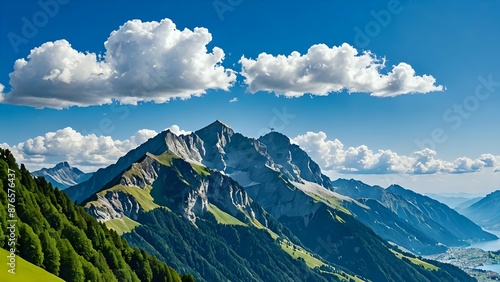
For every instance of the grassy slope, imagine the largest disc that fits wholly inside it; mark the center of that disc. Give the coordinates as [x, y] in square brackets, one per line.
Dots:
[25, 271]
[299, 252]
[201, 170]
[312, 261]
[223, 217]
[122, 225]
[325, 197]
[165, 159]
[143, 196]
[416, 261]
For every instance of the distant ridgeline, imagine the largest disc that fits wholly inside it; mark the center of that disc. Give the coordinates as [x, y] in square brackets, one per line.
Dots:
[44, 235]
[62, 175]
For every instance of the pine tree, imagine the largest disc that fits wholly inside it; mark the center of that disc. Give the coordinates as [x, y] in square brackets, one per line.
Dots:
[30, 247]
[52, 257]
[71, 267]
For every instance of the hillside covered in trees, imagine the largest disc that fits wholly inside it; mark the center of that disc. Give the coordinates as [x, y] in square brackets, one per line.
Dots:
[55, 234]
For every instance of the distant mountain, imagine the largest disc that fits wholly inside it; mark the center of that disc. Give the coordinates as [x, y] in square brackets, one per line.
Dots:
[467, 204]
[227, 207]
[63, 175]
[485, 212]
[408, 219]
[451, 201]
[458, 225]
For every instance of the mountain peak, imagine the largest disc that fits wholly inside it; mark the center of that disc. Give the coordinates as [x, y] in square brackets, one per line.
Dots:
[221, 123]
[215, 127]
[396, 187]
[62, 175]
[276, 138]
[62, 165]
[217, 124]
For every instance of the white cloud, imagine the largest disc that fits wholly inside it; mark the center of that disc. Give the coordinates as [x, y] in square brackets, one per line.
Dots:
[2, 87]
[144, 61]
[489, 160]
[175, 129]
[87, 152]
[234, 100]
[331, 155]
[324, 70]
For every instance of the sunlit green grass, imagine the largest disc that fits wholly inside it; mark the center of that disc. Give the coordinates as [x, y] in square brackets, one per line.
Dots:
[223, 217]
[200, 169]
[25, 271]
[298, 252]
[416, 261]
[122, 225]
[165, 159]
[143, 196]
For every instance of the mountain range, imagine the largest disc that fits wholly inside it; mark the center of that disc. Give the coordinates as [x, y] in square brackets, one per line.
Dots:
[411, 220]
[485, 212]
[262, 208]
[62, 175]
[454, 201]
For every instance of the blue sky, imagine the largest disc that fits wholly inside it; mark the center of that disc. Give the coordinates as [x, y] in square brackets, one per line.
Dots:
[454, 42]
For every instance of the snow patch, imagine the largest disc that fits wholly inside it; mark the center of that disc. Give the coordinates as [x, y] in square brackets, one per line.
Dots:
[316, 189]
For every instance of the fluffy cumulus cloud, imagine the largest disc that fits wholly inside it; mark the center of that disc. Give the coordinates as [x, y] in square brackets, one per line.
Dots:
[175, 129]
[144, 61]
[331, 155]
[88, 152]
[323, 70]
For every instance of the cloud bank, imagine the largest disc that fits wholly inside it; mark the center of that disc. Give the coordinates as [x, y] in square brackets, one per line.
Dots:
[323, 70]
[331, 155]
[88, 152]
[144, 61]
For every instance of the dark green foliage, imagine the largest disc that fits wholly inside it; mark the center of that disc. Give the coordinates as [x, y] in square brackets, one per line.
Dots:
[71, 266]
[357, 248]
[187, 278]
[89, 271]
[78, 240]
[62, 238]
[30, 247]
[137, 261]
[215, 252]
[52, 256]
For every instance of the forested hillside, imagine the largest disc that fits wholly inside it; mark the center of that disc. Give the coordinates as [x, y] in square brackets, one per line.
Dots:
[53, 233]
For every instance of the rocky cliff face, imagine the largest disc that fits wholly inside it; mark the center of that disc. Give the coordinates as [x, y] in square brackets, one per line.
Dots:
[186, 188]
[291, 160]
[112, 205]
